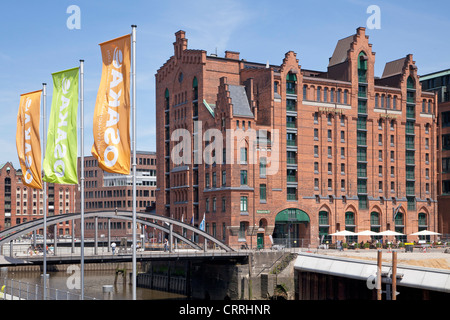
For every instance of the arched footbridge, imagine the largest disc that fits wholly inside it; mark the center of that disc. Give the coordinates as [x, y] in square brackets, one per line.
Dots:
[145, 218]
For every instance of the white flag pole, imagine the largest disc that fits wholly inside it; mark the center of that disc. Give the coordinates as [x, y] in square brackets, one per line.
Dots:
[44, 143]
[133, 39]
[82, 175]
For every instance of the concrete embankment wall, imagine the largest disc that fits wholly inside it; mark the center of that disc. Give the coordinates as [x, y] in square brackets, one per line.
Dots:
[265, 275]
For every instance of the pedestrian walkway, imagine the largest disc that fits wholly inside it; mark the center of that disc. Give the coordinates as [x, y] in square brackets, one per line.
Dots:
[432, 258]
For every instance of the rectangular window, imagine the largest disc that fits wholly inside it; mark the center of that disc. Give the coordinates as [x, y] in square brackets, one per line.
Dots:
[362, 201]
[243, 155]
[291, 193]
[224, 204]
[207, 180]
[244, 201]
[262, 167]
[361, 170]
[224, 178]
[262, 192]
[291, 157]
[214, 205]
[361, 154]
[214, 180]
[291, 139]
[243, 177]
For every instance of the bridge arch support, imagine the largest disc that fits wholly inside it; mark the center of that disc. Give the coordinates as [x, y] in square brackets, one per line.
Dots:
[144, 218]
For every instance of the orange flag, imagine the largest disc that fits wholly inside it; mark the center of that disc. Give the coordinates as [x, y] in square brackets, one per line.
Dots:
[112, 109]
[28, 141]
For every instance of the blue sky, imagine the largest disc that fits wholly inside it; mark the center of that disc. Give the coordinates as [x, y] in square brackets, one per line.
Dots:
[36, 42]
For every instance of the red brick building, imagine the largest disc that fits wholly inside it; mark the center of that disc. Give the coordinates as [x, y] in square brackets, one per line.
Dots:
[316, 152]
[20, 203]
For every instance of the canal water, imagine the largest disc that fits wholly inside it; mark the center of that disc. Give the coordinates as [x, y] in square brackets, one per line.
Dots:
[93, 285]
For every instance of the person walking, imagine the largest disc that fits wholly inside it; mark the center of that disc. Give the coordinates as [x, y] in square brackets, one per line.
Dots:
[113, 247]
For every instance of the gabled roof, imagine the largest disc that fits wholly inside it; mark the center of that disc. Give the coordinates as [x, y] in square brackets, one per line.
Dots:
[241, 106]
[340, 52]
[393, 68]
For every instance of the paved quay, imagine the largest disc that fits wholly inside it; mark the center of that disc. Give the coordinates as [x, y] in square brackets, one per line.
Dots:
[432, 258]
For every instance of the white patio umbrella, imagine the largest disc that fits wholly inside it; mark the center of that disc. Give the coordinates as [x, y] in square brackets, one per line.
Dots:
[425, 233]
[390, 233]
[343, 233]
[367, 233]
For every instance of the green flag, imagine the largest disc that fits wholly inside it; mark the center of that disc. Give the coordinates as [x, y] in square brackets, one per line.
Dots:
[60, 162]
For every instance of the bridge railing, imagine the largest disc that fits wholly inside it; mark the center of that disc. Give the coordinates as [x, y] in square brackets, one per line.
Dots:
[12, 289]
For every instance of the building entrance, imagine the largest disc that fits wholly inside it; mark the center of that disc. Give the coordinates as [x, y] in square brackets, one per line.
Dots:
[292, 228]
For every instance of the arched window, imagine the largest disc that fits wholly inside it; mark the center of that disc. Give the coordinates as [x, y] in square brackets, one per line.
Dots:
[374, 220]
[423, 224]
[362, 67]
[318, 94]
[291, 80]
[410, 84]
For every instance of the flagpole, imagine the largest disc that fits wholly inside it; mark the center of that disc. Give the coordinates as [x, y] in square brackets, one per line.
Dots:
[44, 115]
[82, 175]
[133, 39]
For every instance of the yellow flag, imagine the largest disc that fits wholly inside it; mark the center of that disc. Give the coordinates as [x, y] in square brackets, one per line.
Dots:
[112, 108]
[28, 141]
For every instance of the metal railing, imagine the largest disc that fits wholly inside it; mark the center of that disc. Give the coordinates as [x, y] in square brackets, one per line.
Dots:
[19, 290]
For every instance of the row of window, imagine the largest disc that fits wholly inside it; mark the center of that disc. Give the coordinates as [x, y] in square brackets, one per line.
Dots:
[374, 219]
[211, 204]
[117, 204]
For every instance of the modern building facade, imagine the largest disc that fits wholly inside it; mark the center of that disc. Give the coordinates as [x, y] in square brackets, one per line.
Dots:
[20, 203]
[307, 153]
[106, 191]
[439, 83]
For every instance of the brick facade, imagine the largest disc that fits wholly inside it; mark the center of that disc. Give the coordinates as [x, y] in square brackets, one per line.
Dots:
[21, 203]
[346, 148]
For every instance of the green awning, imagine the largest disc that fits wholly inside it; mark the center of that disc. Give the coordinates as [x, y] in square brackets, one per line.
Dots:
[292, 215]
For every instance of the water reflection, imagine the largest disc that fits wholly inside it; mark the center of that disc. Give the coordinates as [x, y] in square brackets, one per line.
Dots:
[93, 285]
